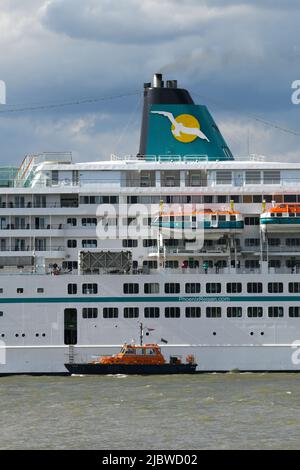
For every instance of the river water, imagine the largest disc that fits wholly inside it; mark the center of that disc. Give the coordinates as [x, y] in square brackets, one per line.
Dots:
[203, 411]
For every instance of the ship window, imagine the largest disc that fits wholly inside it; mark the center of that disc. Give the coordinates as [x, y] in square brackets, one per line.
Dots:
[292, 242]
[151, 312]
[149, 242]
[172, 312]
[171, 264]
[255, 312]
[232, 218]
[130, 243]
[257, 198]
[274, 263]
[72, 221]
[130, 288]
[172, 288]
[150, 264]
[89, 243]
[294, 312]
[89, 222]
[274, 241]
[290, 198]
[89, 288]
[110, 312]
[271, 177]
[247, 199]
[1, 314]
[275, 287]
[234, 312]
[234, 287]
[252, 177]
[207, 199]
[251, 263]
[294, 287]
[251, 220]
[20, 290]
[254, 287]
[235, 198]
[90, 312]
[71, 243]
[1, 290]
[213, 288]
[222, 218]
[72, 288]
[251, 242]
[213, 312]
[192, 287]
[70, 265]
[40, 290]
[131, 312]
[151, 288]
[221, 199]
[193, 312]
[275, 312]
[267, 198]
[223, 177]
[278, 214]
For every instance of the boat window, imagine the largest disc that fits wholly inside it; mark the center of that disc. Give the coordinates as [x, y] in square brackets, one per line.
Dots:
[275, 287]
[272, 214]
[294, 312]
[234, 312]
[192, 288]
[131, 288]
[232, 218]
[130, 351]
[292, 214]
[165, 219]
[110, 312]
[251, 220]
[275, 312]
[172, 288]
[131, 312]
[213, 287]
[151, 312]
[90, 312]
[254, 287]
[279, 214]
[172, 312]
[255, 312]
[213, 312]
[150, 351]
[89, 288]
[222, 218]
[234, 287]
[193, 312]
[151, 288]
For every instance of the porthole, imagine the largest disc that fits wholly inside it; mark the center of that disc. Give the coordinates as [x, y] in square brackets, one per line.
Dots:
[23, 335]
[262, 333]
[251, 333]
[214, 333]
[16, 335]
[44, 335]
[3, 335]
[37, 335]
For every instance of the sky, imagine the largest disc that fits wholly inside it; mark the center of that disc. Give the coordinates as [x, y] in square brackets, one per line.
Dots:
[237, 57]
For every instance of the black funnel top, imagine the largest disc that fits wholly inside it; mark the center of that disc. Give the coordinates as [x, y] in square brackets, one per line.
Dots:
[158, 94]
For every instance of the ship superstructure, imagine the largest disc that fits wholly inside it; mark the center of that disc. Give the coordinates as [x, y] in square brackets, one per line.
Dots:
[85, 254]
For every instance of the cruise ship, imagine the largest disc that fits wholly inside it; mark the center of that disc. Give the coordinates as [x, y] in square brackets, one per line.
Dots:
[201, 247]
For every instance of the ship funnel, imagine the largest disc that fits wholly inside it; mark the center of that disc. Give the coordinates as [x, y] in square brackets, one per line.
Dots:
[172, 125]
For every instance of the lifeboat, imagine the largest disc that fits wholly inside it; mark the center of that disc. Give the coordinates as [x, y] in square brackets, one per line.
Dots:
[281, 218]
[214, 223]
[140, 359]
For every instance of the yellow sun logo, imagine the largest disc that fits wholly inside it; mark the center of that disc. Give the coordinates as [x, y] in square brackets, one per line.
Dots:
[186, 122]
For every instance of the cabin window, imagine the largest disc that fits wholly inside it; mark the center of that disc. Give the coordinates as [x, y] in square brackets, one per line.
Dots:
[232, 218]
[292, 242]
[275, 287]
[1, 314]
[290, 198]
[71, 243]
[193, 312]
[151, 312]
[213, 288]
[172, 288]
[255, 312]
[251, 263]
[254, 287]
[257, 198]
[149, 242]
[89, 222]
[131, 312]
[252, 177]
[274, 241]
[275, 312]
[294, 287]
[171, 264]
[151, 288]
[72, 221]
[274, 263]
[1, 290]
[234, 312]
[130, 243]
[89, 288]
[72, 288]
[40, 290]
[271, 177]
[223, 177]
[150, 264]
[234, 287]
[20, 290]
[89, 243]
[294, 312]
[192, 287]
[90, 312]
[110, 312]
[252, 242]
[172, 312]
[222, 218]
[213, 312]
[131, 288]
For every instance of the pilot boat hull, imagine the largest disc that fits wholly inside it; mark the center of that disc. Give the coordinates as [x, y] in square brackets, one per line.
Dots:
[137, 369]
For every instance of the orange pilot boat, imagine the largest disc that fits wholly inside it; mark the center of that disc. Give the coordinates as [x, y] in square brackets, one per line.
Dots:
[135, 359]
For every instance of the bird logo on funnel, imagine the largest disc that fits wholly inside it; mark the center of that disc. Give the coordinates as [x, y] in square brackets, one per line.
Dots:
[185, 127]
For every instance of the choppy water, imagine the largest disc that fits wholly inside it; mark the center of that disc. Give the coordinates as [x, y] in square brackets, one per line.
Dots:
[211, 411]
